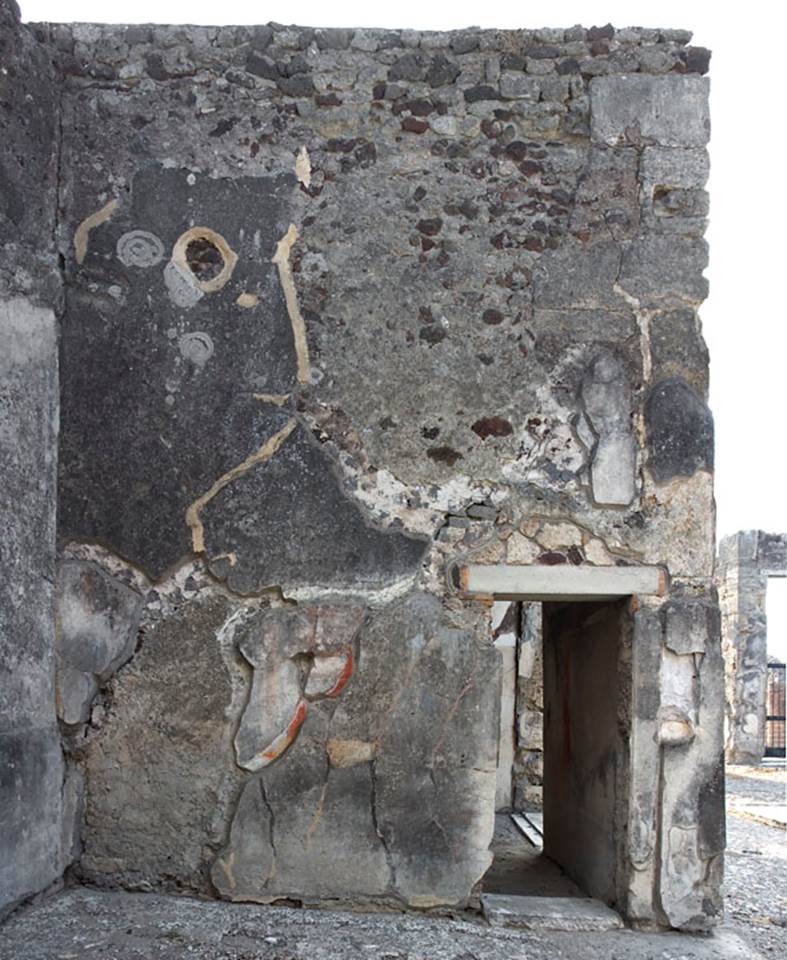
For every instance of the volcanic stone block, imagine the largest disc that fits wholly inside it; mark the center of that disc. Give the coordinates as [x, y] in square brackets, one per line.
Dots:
[678, 349]
[578, 276]
[671, 111]
[675, 166]
[659, 270]
[679, 431]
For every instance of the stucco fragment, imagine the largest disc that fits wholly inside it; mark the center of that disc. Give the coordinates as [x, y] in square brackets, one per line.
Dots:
[82, 233]
[282, 260]
[606, 397]
[97, 620]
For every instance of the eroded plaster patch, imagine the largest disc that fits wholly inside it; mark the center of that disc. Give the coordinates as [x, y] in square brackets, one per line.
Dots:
[282, 260]
[82, 233]
[247, 300]
[303, 167]
[347, 753]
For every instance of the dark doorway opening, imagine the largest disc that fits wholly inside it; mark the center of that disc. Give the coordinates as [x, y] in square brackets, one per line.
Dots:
[569, 779]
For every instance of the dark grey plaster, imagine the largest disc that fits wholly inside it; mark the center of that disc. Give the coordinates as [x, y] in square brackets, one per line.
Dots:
[147, 425]
[679, 431]
[288, 522]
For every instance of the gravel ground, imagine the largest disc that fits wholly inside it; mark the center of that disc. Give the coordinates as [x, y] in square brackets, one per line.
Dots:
[84, 924]
[756, 865]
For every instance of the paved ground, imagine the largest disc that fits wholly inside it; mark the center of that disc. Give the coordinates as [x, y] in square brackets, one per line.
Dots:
[756, 858]
[520, 868]
[84, 924]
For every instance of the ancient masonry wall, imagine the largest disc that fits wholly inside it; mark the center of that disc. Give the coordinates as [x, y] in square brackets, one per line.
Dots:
[31, 764]
[343, 308]
[746, 560]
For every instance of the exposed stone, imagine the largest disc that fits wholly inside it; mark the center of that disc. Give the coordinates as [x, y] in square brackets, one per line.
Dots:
[665, 270]
[678, 349]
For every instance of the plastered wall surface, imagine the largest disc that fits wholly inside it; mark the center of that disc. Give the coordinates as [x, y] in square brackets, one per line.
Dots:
[32, 854]
[342, 309]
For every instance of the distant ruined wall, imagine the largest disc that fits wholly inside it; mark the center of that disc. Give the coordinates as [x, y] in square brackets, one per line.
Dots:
[31, 766]
[746, 560]
[343, 308]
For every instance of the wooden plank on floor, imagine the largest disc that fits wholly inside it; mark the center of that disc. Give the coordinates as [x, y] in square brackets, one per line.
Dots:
[528, 830]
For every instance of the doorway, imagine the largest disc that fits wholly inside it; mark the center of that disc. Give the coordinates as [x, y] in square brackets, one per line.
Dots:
[562, 790]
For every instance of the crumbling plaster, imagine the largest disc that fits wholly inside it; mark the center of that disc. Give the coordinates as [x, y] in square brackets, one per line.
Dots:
[344, 308]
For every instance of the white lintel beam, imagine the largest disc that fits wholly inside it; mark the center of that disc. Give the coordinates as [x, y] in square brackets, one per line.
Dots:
[506, 581]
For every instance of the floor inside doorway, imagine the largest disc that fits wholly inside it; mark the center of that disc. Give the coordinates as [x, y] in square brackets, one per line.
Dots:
[521, 868]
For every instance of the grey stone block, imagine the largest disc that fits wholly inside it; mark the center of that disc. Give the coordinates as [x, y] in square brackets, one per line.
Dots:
[578, 276]
[675, 166]
[665, 269]
[677, 348]
[548, 913]
[671, 111]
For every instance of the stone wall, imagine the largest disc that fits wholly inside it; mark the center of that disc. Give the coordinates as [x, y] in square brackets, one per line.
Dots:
[344, 308]
[529, 759]
[746, 560]
[31, 767]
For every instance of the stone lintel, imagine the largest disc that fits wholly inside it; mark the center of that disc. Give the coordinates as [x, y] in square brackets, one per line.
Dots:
[538, 582]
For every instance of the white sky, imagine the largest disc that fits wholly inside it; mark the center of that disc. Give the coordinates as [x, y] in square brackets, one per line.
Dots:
[744, 317]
